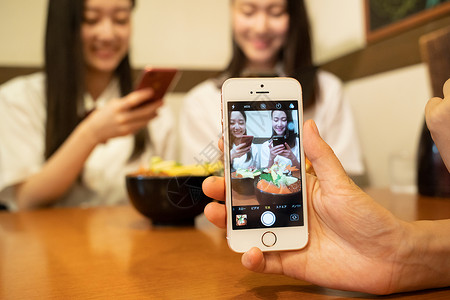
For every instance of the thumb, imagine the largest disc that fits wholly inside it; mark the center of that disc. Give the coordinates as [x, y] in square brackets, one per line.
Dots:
[327, 166]
[263, 262]
[254, 260]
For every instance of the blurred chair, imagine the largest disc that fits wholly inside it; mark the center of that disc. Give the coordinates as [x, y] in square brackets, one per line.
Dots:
[433, 178]
[435, 51]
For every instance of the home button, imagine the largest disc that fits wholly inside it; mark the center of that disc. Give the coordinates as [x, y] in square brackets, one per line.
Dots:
[269, 239]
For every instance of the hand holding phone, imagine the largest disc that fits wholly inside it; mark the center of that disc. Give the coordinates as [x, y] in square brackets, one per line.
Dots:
[159, 79]
[275, 217]
[240, 150]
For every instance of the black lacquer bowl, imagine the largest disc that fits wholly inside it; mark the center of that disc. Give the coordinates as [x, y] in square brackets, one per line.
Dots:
[244, 186]
[168, 201]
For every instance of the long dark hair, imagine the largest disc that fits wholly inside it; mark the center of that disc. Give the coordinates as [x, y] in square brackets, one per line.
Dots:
[233, 139]
[289, 135]
[296, 55]
[64, 69]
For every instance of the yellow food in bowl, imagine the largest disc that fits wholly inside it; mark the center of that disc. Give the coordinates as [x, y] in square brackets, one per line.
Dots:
[171, 168]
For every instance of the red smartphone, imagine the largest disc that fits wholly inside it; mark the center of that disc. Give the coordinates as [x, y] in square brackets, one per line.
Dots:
[159, 79]
[246, 139]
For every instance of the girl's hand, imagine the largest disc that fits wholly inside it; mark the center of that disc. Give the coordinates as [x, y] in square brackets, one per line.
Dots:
[287, 152]
[123, 116]
[240, 150]
[275, 150]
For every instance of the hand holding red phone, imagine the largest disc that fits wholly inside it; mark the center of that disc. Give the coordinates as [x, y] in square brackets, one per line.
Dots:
[123, 116]
[240, 150]
[244, 146]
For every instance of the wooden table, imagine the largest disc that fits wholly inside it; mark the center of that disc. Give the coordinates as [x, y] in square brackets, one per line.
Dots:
[115, 253]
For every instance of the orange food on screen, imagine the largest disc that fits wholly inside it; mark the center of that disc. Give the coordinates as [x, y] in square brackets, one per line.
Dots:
[262, 185]
[269, 187]
[284, 190]
[266, 186]
[293, 168]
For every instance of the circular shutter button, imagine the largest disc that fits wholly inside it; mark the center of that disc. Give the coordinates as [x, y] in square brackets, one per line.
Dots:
[268, 218]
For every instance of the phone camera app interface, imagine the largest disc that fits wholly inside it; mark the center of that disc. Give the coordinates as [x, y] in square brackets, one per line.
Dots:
[264, 149]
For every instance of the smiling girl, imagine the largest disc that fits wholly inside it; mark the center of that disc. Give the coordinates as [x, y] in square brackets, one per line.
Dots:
[284, 153]
[69, 135]
[243, 156]
[272, 38]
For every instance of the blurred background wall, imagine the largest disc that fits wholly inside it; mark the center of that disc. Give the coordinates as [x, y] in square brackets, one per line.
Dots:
[187, 34]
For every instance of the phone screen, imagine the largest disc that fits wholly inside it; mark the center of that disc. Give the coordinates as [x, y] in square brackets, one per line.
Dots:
[278, 140]
[265, 187]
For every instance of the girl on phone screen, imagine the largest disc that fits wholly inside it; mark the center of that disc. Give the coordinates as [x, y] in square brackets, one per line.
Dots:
[243, 155]
[286, 153]
[272, 38]
[71, 133]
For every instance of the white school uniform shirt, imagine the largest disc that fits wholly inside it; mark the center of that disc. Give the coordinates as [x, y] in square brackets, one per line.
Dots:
[242, 163]
[22, 145]
[200, 122]
[265, 155]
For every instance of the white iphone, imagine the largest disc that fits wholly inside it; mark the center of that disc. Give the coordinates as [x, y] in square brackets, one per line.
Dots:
[265, 182]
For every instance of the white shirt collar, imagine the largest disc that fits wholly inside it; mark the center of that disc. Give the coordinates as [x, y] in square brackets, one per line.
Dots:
[111, 91]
